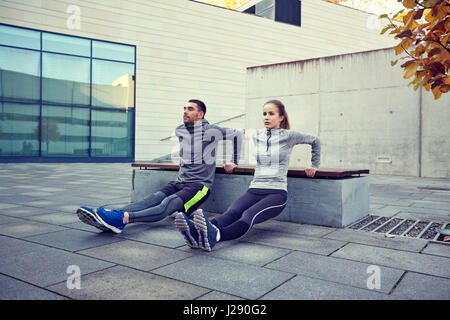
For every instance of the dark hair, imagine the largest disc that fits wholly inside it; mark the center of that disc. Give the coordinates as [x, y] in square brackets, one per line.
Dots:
[282, 112]
[200, 104]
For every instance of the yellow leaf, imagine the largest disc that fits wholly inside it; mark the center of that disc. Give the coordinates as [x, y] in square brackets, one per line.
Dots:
[444, 88]
[410, 70]
[408, 16]
[398, 49]
[436, 92]
[386, 29]
[406, 43]
[445, 39]
[393, 63]
[409, 4]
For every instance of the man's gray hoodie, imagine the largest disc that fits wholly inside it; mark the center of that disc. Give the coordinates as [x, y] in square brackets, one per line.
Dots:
[198, 150]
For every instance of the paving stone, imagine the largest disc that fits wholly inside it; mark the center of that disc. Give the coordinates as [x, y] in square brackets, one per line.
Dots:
[296, 228]
[249, 253]
[37, 194]
[11, 247]
[5, 206]
[305, 288]
[416, 286]
[52, 189]
[377, 239]
[440, 249]
[336, 270]
[45, 266]
[432, 205]
[58, 218]
[28, 228]
[163, 236]
[121, 283]
[394, 202]
[9, 220]
[425, 211]
[74, 240]
[24, 211]
[387, 211]
[422, 263]
[85, 227]
[234, 278]
[137, 255]
[16, 199]
[13, 289]
[437, 197]
[215, 295]
[294, 241]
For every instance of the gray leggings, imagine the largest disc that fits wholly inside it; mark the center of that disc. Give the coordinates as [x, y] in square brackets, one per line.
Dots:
[154, 207]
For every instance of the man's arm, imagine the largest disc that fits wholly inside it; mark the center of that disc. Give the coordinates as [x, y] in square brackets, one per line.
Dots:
[237, 137]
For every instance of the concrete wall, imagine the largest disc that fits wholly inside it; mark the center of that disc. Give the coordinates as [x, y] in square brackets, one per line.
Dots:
[188, 50]
[363, 111]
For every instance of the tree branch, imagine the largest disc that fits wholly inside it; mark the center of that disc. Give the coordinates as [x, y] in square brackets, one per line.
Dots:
[437, 41]
[425, 7]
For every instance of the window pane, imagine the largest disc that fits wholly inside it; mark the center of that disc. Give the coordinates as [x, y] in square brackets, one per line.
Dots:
[112, 84]
[65, 131]
[19, 75]
[264, 5]
[19, 37]
[112, 133]
[65, 44]
[65, 79]
[112, 51]
[19, 129]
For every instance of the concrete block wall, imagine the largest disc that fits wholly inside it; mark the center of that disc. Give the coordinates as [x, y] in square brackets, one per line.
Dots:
[363, 111]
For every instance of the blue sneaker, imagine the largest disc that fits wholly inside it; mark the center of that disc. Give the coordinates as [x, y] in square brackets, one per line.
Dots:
[207, 232]
[112, 219]
[87, 215]
[187, 229]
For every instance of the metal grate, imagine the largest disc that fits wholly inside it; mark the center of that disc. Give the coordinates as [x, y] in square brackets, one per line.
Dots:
[392, 226]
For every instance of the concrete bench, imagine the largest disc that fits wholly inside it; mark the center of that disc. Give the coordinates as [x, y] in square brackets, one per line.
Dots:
[333, 198]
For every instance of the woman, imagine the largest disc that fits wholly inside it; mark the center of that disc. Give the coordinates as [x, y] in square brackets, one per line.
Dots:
[267, 193]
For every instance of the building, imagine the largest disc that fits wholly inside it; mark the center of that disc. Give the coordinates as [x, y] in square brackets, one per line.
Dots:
[107, 80]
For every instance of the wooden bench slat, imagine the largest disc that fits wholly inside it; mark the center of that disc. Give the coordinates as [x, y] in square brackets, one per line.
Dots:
[249, 170]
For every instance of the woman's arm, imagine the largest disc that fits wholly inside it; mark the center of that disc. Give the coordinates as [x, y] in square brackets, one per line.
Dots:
[304, 138]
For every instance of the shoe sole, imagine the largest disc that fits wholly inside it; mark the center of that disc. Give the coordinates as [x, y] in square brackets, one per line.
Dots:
[183, 228]
[200, 225]
[90, 219]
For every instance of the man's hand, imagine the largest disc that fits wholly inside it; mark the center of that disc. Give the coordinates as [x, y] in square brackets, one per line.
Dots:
[310, 172]
[229, 167]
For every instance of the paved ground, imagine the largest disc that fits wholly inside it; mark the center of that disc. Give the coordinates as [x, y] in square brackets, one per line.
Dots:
[43, 245]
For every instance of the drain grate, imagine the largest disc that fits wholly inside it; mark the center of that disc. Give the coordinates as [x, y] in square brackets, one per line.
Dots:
[420, 229]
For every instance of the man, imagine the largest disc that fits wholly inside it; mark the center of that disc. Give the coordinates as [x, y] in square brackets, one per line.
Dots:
[198, 143]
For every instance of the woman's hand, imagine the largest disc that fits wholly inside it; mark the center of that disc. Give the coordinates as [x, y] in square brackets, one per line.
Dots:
[310, 172]
[229, 167]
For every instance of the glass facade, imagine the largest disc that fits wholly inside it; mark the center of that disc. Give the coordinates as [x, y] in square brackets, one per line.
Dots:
[65, 97]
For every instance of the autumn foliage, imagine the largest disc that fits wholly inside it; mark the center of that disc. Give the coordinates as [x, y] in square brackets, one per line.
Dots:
[232, 4]
[423, 32]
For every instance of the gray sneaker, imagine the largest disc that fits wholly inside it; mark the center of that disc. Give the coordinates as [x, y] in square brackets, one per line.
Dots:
[187, 229]
[206, 230]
